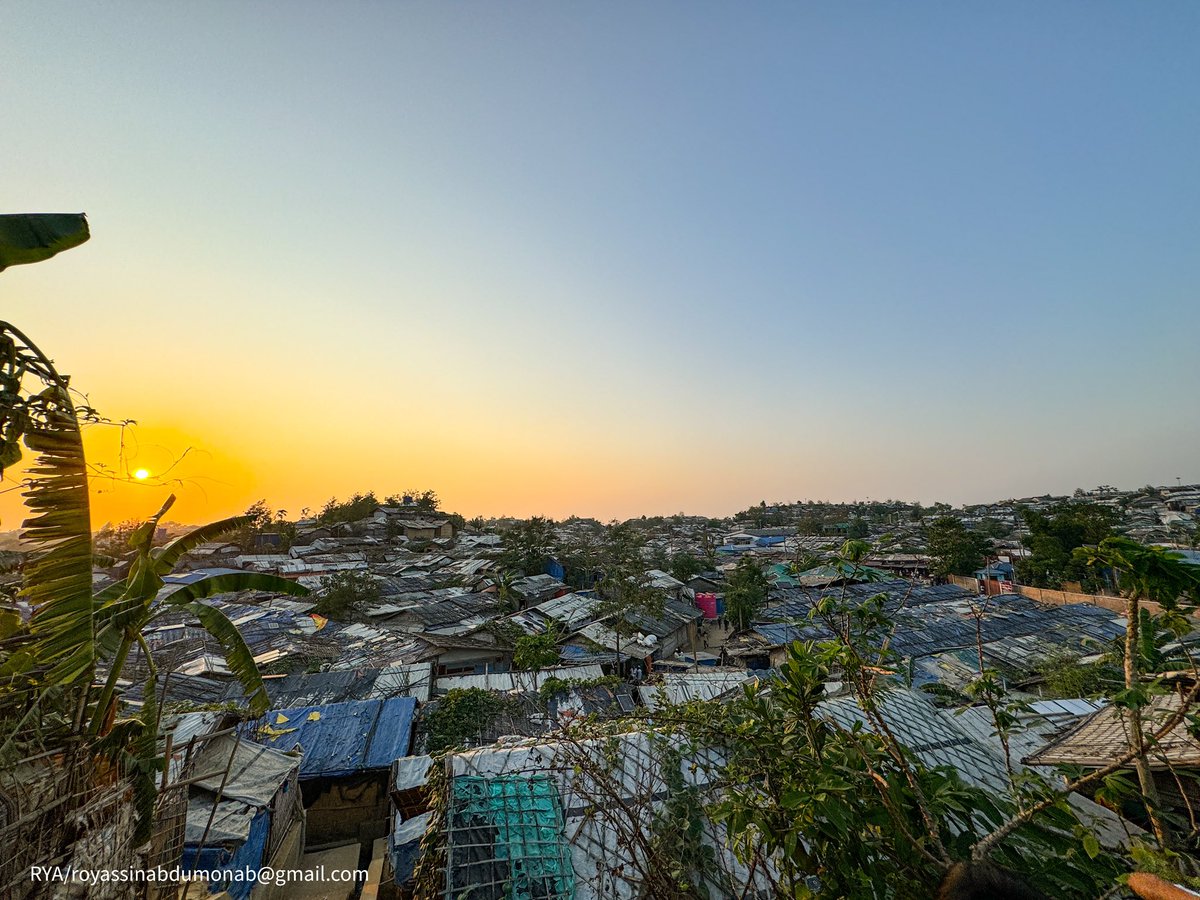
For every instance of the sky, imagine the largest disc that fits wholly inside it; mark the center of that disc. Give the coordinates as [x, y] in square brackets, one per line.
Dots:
[613, 259]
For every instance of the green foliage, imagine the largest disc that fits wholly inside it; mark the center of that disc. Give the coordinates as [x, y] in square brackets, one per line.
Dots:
[1145, 573]
[681, 861]
[58, 574]
[527, 546]
[261, 519]
[955, 550]
[461, 717]
[344, 593]
[425, 501]
[580, 556]
[746, 592]
[1053, 539]
[113, 540]
[358, 507]
[854, 807]
[1167, 865]
[685, 566]
[532, 652]
[1065, 676]
[34, 237]
[992, 528]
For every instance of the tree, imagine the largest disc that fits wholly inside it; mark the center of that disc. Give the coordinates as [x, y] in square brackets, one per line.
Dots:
[1160, 576]
[358, 507]
[746, 592]
[261, 519]
[625, 592]
[1053, 539]
[534, 652]
[992, 528]
[113, 540]
[527, 546]
[580, 556]
[424, 501]
[51, 663]
[685, 566]
[343, 593]
[955, 550]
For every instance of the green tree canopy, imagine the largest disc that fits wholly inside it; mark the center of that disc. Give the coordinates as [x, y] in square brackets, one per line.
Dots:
[1054, 537]
[345, 593]
[954, 548]
[358, 507]
[746, 592]
[527, 546]
[685, 566]
[532, 652]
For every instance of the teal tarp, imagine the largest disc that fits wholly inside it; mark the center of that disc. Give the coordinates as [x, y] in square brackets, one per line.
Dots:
[506, 839]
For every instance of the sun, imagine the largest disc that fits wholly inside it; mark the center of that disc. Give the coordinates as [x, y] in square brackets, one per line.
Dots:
[141, 474]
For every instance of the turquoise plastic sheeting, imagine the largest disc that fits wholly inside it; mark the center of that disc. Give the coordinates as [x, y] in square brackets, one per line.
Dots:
[506, 840]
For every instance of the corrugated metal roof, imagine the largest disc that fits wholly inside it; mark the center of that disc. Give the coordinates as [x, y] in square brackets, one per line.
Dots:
[932, 734]
[679, 687]
[340, 738]
[518, 681]
[188, 738]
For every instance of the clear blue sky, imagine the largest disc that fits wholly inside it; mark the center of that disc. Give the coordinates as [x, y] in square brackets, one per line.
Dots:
[622, 258]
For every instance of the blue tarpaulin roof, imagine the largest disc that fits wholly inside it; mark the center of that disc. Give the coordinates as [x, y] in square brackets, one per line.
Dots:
[341, 738]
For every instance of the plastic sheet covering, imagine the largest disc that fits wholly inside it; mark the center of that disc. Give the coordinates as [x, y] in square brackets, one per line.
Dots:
[341, 738]
[255, 772]
[404, 843]
[246, 855]
[411, 772]
[506, 840]
[230, 824]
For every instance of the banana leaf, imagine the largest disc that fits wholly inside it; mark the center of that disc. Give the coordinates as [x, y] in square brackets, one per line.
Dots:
[228, 582]
[168, 555]
[33, 237]
[237, 655]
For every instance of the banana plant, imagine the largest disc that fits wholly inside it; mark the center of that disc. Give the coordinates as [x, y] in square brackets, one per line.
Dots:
[37, 412]
[72, 631]
[123, 610]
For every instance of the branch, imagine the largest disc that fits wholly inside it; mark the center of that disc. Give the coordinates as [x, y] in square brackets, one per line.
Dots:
[981, 849]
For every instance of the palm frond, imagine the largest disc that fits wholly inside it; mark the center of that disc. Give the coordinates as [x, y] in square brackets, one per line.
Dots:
[237, 655]
[167, 556]
[58, 572]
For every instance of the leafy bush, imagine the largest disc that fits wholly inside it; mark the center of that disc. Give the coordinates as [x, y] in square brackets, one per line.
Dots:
[343, 593]
[463, 715]
[536, 651]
